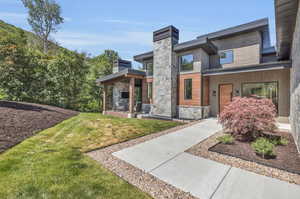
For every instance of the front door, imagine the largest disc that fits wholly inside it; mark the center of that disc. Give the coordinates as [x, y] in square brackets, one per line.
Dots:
[225, 95]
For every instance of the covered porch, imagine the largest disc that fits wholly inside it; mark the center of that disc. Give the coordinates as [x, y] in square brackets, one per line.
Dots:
[122, 93]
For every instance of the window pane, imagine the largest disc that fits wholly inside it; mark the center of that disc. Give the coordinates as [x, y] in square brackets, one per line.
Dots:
[264, 90]
[188, 89]
[149, 90]
[186, 62]
[149, 68]
[226, 57]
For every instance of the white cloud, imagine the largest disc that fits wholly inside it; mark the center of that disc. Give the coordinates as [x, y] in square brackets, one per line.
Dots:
[77, 39]
[13, 17]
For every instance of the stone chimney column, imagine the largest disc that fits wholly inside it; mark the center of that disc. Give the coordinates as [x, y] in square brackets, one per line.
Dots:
[165, 72]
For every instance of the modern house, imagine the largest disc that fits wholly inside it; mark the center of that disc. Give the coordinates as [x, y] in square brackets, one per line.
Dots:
[197, 78]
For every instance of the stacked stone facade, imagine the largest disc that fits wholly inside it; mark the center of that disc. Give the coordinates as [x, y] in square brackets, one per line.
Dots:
[295, 83]
[165, 78]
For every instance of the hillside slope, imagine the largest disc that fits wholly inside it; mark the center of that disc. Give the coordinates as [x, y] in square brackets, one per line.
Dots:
[19, 121]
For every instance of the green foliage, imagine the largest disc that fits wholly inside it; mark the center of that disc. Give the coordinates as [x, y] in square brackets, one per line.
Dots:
[44, 18]
[264, 147]
[281, 141]
[226, 139]
[64, 78]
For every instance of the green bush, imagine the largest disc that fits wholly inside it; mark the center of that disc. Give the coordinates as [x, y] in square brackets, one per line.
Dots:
[226, 139]
[263, 147]
[283, 141]
[280, 141]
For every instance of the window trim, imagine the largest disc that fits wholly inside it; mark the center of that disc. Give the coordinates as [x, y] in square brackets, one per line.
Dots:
[184, 86]
[222, 51]
[180, 62]
[261, 82]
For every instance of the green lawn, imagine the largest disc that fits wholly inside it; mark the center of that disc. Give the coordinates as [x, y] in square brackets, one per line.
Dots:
[52, 164]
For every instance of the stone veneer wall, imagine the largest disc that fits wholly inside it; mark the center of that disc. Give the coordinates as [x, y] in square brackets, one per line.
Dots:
[165, 81]
[119, 103]
[295, 83]
[193, 112]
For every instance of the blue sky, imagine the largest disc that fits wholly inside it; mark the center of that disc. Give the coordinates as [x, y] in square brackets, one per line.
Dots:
[126, 26]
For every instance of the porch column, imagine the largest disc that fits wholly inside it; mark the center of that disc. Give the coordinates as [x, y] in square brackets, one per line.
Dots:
[104, 102]
[131, 97]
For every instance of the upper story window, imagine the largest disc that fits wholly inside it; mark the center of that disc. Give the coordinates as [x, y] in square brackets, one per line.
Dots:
[186, 62]
[226, 57]
[188, 89]
[149, 68]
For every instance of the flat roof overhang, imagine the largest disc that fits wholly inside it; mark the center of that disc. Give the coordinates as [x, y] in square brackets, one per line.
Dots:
[244, 69]
[203, 43]
[285, 15]
[143, 57]
[126, 73]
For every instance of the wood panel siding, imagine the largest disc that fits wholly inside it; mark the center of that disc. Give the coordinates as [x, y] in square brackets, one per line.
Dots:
[196, 89]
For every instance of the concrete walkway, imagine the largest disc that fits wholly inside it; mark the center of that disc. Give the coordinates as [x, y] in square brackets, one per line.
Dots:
[164, 157]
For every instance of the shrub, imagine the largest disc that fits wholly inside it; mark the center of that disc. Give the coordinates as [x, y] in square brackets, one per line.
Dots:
[280, 141]
[263, 147]
[247, 118]
[226, 139]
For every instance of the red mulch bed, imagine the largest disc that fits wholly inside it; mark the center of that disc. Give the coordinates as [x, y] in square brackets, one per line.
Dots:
[287, 157]
[19, 121]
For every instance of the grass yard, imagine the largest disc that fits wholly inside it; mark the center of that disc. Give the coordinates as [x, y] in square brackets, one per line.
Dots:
[52, 164]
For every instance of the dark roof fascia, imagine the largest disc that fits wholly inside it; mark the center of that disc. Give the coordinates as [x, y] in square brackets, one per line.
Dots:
[203, 43]
[261, 24]
[252, 68]
[285, 15]
[144, 56]
[270, 50]
[124, 72]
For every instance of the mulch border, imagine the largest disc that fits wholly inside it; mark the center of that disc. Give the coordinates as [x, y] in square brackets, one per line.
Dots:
[258, 162]
[137, 177]
[202, 150]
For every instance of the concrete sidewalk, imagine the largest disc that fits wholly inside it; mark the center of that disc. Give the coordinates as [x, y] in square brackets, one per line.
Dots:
[164, 158]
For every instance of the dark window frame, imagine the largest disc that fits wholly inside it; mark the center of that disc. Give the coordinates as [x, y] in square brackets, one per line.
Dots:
[186, 97]
[180, 61]
[268, 82]
[126, 96]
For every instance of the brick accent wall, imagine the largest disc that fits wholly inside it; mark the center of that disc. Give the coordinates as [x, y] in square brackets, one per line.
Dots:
[196, 89]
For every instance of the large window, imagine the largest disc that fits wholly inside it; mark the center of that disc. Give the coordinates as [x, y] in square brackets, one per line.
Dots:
[264, 90]
[186, 62]
[188, 89]
[226, 57]
[150, 90]
[149, 68]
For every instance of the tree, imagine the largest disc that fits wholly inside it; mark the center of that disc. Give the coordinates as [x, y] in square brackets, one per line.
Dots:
[44, 18]
[21, 71]
[67, 77]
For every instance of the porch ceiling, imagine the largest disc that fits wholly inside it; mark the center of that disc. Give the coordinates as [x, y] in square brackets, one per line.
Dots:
[122, 74]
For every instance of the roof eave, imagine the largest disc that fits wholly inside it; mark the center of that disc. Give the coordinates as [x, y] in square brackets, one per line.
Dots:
[285, 14]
